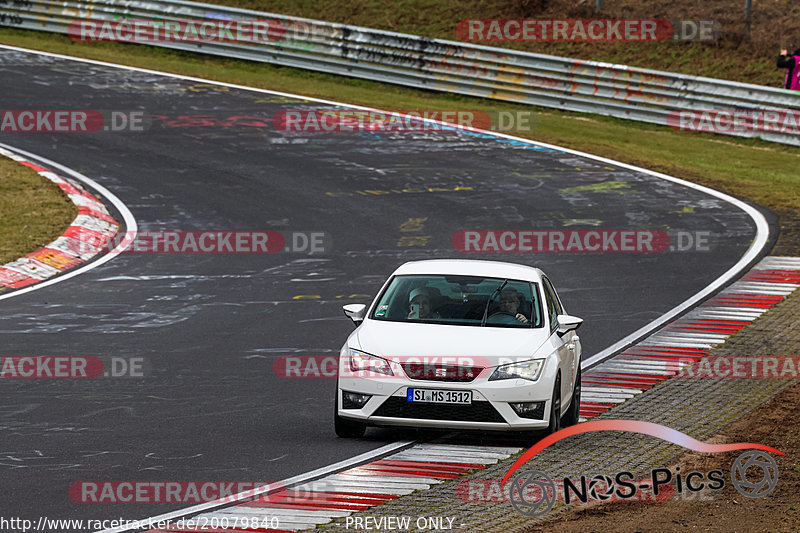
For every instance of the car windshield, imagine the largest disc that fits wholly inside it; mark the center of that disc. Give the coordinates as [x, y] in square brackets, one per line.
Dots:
[461, 300]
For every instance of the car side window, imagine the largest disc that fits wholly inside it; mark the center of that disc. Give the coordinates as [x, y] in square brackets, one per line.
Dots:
[553, 305]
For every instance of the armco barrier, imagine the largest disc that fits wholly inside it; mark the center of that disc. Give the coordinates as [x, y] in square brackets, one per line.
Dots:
[584, 86]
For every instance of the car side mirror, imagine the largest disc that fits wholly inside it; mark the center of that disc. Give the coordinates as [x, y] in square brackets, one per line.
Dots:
[568, 323]
[355, 312]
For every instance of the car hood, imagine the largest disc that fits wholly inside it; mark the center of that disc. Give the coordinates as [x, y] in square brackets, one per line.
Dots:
[399, 339]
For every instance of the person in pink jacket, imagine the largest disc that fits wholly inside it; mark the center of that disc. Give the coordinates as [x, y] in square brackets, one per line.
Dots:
[792, 65]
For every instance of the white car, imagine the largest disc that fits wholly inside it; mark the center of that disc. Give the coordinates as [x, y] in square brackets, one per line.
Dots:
[460, 344]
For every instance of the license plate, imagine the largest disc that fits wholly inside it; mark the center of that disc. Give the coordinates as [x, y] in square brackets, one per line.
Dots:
[440, 396]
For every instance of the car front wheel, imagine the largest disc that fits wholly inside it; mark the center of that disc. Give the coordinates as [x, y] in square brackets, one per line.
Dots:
[573, 414]
[555, 407]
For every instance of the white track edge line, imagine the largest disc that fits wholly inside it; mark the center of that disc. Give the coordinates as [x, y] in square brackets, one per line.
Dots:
[130, 223]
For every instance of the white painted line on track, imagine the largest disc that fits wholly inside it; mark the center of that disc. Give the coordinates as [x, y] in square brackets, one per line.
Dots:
[297, 513]
[603, 399]
[710, 337]
[292, 518]
[348, 486]
[467, 451]
[608, 390]
[446, 456]
[383, 481]
[729, 313]
[670, 344]
[130, 222]
[783, 261]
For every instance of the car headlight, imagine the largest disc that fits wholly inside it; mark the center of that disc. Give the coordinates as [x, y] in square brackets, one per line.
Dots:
[364, 362]
[526, 370]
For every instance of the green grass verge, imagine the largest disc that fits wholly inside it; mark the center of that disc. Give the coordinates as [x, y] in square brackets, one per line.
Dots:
[763, 172]
[33, 210]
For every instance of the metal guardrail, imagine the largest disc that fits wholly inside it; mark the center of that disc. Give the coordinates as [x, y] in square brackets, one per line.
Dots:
[503, 74]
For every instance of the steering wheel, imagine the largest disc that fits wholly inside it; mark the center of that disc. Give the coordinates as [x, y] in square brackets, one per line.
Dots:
[502, 317]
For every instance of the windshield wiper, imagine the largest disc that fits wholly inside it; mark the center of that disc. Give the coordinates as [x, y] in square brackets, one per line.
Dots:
[486, 311]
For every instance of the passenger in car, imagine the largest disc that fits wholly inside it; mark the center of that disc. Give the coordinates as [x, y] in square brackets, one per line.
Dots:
[420, 304]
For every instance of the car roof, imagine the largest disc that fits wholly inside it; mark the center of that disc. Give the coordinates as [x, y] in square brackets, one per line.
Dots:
[471, 267]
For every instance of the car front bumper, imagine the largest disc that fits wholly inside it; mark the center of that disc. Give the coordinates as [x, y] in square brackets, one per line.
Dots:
[490, 408]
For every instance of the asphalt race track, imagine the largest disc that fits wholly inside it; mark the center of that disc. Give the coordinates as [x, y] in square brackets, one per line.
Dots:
[209, 326]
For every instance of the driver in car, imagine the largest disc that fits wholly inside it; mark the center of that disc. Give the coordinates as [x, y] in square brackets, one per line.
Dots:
[509, 303]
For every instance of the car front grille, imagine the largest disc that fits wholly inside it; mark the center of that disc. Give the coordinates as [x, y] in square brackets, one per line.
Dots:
[400, 407]
[436, 372]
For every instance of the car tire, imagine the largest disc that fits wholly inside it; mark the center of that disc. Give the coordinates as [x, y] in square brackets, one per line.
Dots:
[346, 429]
[555, 408]
[573, 414]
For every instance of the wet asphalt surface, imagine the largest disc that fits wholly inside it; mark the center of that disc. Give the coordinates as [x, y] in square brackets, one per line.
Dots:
[209, 326]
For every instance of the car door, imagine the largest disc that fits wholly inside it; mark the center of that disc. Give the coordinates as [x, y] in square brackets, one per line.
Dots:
[565, 346]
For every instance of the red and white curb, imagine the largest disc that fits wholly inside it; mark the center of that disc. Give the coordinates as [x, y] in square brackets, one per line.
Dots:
[86, 236]
[307, 505]
[690, 338]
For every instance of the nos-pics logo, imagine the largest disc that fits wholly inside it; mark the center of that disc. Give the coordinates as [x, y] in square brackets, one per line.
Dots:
[754, 473]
